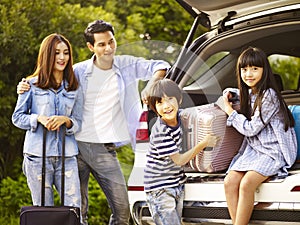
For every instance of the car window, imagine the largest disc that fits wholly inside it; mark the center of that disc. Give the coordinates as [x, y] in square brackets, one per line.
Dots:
[288, 67]
[207, 65]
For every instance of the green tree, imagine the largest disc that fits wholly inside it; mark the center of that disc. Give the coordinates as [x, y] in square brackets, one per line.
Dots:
[289, 70]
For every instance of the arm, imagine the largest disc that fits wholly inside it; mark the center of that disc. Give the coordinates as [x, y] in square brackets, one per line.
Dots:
[182, 159]
[270, 107]
[76, 116]
[21, 117]
[139, 68]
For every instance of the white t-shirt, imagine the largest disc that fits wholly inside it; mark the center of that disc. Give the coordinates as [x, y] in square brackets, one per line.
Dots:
[103, 119]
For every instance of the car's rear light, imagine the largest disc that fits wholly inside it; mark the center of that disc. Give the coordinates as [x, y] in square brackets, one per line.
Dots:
[142, 131]
[135, 188]
[296, 188]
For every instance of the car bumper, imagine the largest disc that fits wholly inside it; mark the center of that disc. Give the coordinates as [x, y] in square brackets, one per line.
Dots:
[274, 213]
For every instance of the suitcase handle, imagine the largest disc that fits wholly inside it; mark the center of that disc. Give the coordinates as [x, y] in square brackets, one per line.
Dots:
[62, 195]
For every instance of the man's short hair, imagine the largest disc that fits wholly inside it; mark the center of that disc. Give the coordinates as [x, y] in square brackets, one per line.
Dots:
[97, 26]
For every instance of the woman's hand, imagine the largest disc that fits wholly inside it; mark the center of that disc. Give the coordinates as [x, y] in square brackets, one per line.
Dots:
[53, 123]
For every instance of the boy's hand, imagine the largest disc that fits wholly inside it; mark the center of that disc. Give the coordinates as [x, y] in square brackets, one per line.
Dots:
[211, 140]
[23, 86]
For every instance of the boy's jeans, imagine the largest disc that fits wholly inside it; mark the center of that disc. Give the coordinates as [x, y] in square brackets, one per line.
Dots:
[32, 168]
[166, 205]
[102, 162]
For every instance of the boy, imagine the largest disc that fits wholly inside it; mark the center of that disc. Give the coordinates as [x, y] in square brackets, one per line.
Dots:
[164, 176]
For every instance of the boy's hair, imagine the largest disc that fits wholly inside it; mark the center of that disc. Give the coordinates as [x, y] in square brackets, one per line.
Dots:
[97, 26]
[163, 88]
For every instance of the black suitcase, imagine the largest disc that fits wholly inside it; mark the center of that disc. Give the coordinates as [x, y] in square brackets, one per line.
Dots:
[50, 215]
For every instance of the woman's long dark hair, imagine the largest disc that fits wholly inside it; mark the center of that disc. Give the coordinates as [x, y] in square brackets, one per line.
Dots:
[45, 64]
[253, 56]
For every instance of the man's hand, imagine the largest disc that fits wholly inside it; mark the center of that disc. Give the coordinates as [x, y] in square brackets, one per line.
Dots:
[158, 75]
[23, 86]
[145, 94]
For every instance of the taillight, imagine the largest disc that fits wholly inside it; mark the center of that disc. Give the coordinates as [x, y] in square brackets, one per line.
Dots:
[296, 188]
[135, 188]
[142, 131]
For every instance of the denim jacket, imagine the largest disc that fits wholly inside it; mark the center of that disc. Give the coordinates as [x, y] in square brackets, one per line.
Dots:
[48, 102]
[129, 71]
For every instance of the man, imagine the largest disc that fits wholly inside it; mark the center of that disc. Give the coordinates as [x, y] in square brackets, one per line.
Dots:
[111, 112]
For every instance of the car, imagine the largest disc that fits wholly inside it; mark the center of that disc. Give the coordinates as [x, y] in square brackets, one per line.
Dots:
[204, 68]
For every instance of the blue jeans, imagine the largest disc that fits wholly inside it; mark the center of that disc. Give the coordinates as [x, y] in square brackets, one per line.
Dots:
[102, 162]
[32, 168]
[166, 205]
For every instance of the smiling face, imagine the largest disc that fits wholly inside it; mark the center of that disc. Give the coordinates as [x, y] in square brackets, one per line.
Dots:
[104, 48]
[167, 108]
[251, 75]
[62, 56]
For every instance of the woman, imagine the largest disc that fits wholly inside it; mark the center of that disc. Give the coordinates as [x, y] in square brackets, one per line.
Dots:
[53, 101]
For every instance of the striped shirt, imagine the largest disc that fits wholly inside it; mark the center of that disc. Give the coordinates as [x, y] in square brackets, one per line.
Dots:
[161, 172]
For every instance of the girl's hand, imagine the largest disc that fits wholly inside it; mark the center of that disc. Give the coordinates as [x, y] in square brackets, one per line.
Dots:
[227, 105]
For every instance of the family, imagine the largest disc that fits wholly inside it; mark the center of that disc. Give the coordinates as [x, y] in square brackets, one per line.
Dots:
[98, 103]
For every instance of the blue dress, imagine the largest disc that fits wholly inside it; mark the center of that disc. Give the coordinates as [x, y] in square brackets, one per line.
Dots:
[267, 148]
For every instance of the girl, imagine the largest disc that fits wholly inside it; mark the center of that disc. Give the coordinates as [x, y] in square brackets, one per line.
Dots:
[53, 100]
[269, 147]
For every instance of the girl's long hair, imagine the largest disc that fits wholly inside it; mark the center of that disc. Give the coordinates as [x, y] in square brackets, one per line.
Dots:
[46, 61]
[253, 56]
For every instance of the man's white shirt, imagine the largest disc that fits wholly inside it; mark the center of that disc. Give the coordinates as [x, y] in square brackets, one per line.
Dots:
[103, 119]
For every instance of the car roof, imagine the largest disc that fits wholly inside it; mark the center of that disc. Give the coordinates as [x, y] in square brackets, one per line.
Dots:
[219, 9]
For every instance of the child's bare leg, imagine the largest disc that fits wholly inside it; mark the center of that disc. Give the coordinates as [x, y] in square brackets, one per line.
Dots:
[232, 185]
[248, 186]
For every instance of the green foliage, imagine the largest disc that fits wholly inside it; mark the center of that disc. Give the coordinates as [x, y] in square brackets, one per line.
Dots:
[126, 159]
[99, 212]
[15, 193]
[289, 70]
[10, 136]
[153, 19]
